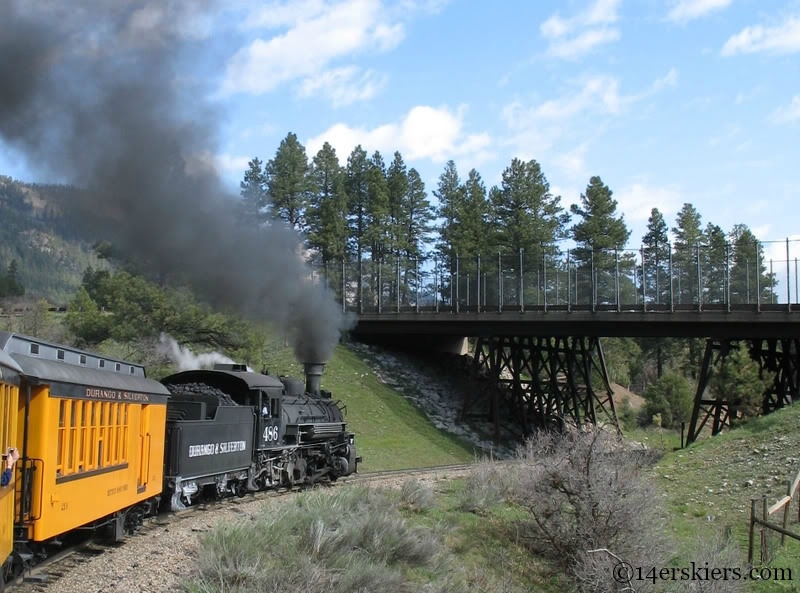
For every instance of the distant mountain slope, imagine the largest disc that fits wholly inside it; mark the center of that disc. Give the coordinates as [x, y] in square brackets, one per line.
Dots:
[50, 255]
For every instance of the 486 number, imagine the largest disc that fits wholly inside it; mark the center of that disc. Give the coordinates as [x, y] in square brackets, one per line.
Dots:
[271, 433]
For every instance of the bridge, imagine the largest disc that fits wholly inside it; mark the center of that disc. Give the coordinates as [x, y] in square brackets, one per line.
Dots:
[537, 323]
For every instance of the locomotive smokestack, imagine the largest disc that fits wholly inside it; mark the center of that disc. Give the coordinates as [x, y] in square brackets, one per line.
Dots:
[313, 372]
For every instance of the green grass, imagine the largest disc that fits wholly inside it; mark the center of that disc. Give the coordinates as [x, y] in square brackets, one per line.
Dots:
[708, 485]
[391, 433]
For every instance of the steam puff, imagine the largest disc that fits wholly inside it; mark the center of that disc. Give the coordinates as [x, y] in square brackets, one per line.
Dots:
[90, 94]
[187, 360]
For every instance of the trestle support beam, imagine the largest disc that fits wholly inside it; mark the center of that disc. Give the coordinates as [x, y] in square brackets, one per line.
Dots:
[778, 356]
[541, 382]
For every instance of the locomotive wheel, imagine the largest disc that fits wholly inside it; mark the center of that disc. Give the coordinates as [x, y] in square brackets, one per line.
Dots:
[238, 489]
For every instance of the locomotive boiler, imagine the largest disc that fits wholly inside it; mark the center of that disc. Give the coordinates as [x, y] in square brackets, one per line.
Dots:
[230, 430]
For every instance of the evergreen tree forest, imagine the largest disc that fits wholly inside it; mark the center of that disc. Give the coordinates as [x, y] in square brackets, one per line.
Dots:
[512, 243]
[382, 238]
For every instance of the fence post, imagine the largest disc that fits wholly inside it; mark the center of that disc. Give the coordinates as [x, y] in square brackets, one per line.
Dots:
[521, 283]
[569, 285]
[764, 549]
[593, 297]
[458, 305]
[416, 277]
[752, 532]
[499, 282]
[380, 284]
[544, 277]
[699, 280]
[644, 283]
[436, 284]
[360, 286]
[671, 281]
[786, 510]
[478, 285]
[788, 283]
[616, 277]
[728, 276]
[758, 276]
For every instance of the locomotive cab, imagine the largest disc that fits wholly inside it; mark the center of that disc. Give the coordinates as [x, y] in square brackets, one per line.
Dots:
[269, 421]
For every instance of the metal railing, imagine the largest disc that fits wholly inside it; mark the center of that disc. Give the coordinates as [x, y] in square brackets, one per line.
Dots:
[599, 279]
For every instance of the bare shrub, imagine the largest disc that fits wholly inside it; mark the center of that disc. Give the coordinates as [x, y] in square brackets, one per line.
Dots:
[585, 491]
[489, 483]
[416, 496]
[712, 552]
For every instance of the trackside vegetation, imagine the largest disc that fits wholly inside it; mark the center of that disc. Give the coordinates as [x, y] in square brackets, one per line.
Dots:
[562, 516]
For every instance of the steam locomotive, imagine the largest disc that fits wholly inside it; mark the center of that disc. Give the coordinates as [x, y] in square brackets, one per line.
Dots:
[102, 445]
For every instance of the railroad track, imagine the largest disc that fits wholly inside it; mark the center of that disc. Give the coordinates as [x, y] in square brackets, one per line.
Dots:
[50, 570]
[399, 473]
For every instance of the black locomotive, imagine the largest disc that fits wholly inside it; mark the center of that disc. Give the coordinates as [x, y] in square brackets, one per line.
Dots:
[230, 430]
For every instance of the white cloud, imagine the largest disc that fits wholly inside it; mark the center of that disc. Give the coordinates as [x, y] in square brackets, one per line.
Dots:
[317, 34]
[789, 113]
[637, 200]
[537, 127]
[344, 86]
[583, 43]
[431, 133]
[572, 162]
[780, 39]
[687, 10]
[761, 232]
[259, 130]
[576, 36]
[227, 163]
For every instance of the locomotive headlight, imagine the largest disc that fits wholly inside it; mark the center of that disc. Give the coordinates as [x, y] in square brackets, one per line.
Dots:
[351, 439]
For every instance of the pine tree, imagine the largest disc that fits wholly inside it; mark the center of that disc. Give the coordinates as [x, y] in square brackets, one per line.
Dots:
[526, 215]
[253, 189]
[740, 381]
[3, 287]
[417, 216]
[656, 254]
[377, 209]
[13, 286]
[450, 194]
[476, 235]
[397, 187]
[749, 275]
[289, 182]
[714, 264]
[356, 184]
[326, 216]
[688, 235]
[600, 236]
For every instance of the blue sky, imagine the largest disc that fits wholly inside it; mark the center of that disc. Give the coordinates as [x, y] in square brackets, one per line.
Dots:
[669, 101]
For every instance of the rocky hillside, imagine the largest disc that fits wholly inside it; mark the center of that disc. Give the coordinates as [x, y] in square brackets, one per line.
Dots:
[50, 256]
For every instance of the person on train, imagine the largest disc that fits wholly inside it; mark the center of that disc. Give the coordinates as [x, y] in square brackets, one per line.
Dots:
[10, 458]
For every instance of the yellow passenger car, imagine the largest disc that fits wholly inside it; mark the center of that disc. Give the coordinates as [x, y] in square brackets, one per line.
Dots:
[9, 402]
[93, 443]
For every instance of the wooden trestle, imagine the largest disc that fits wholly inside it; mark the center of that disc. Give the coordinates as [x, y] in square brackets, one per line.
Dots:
[777, 355]
[541, 382]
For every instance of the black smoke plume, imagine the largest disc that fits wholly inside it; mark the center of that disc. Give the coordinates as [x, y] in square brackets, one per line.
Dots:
[96, 93]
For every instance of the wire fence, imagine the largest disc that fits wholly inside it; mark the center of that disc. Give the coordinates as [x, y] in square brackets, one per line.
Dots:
[598, 278]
